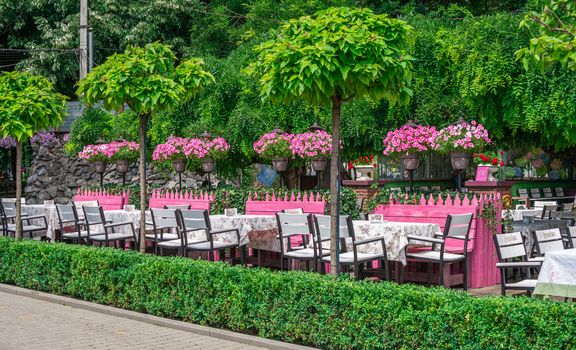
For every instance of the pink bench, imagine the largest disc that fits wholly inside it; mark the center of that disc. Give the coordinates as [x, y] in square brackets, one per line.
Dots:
[270, 204]
[106, 200]
[482, 256]
[200, 201]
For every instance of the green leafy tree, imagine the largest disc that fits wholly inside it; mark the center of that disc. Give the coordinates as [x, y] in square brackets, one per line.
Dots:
[556, 39]
[335, 56]
[28, 103]
[148, 80]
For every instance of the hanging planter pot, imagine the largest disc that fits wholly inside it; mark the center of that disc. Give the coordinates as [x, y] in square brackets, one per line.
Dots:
[410, 161]
[100, 166]
[280, 164]
[179, 165]
[208, 165]
[122, 165]
[459, 160]
[319, 164]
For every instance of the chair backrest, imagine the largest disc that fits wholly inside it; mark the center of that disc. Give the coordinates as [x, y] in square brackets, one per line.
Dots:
[9, 208]
[80, 204]
[395, 189]
[568, 207]
[294, 225]
[547, 192]
[322, 224]
[548, 240]
[436, 188]
[572, 234]
[547, 210]
[522, 192]
[535, 193]
[559, 192]
[164, 218]
[13, 200]
[177, 206]
[293, 211]
[510, 245]
[193, 219]
[93, 215]
[66, 213]
[458, 225]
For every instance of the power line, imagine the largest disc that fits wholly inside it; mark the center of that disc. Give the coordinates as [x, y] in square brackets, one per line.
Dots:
[33, 59]
[35, 49]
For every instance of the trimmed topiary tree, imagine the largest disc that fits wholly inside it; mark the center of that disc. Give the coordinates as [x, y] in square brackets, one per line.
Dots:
[28, 104]
[332, 57]
[148, 81]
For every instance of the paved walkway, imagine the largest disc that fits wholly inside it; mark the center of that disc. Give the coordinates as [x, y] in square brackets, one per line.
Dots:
[29, 324]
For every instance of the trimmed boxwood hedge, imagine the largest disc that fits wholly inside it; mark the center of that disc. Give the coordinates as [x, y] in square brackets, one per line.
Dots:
[297, 307]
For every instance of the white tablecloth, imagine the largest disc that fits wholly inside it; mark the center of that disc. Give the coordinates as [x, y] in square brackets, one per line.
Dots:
[518, 214]
[558, 275]
[48, 211]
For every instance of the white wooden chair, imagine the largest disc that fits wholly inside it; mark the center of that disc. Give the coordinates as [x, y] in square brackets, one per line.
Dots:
[164, 228]
[548, 241]
[457, 227]
[8, 215]
[572, 236]
[511, 246]
[68, 217]
[296, 225]
[95, 219]
[535, 193]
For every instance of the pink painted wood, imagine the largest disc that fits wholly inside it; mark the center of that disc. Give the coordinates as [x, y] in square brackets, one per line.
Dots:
[270, 205]
[106, 200]
[482, 173]
[481, 251]
[200, 201]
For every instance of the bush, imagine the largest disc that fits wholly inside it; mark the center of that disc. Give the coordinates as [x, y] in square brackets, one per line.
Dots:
[297, 307]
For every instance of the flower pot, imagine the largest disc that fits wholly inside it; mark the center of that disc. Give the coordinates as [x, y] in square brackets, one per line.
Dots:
[482, 173]
[492, 171]
[208, 165]
[100, 166]
[459, 159]
[319, 164]
[122, 165]
[410, 161]
[179, 165]
[364, 171]
[280, 164]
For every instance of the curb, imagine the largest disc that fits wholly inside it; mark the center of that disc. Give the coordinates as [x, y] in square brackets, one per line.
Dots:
[154, 320]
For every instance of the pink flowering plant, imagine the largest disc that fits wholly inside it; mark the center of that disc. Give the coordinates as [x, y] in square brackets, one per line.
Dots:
[117, 150]
[409, 139]
[312, 145]
[273, 145]
[191, 148]
[174, 148]
[125, 150]
[216, 148]
[467, 137]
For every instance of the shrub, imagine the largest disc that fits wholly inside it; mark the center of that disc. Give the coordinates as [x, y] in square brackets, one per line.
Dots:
[298, 307]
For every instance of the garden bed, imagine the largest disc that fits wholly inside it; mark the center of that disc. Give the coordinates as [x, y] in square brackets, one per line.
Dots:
[297, 307]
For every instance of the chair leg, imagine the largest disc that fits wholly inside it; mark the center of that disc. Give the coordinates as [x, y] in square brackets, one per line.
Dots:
[289, 264]
[243, 253]
[281, 260]
[429, 274]
[211, 255]
[357, 271]
[441, 272]
[465, 274]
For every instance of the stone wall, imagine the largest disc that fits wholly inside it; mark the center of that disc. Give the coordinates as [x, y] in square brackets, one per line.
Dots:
[55, 176]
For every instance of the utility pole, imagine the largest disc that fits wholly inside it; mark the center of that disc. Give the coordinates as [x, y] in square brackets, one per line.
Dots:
[90, 51]
[83, 38]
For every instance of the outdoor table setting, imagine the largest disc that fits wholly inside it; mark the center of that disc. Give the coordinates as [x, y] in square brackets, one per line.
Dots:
[49, 211]
[518, 214]
[557, 275]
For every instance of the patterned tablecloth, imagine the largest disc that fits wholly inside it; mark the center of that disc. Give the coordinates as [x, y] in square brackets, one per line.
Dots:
[395, 235]
[48, 211]
[558, 275]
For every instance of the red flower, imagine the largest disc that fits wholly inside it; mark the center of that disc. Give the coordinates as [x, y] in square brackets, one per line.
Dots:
[374, 165]
[350, 165]
[371, 157]
[502, 163]
[484, 158]
[495, 161]
[502, 152]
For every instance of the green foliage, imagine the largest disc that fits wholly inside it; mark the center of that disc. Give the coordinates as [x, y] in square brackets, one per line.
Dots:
[86, 129]
[344, 52]
[556, 39]
[387, 196]
[297, 307]
[144, 78]
[28, 103]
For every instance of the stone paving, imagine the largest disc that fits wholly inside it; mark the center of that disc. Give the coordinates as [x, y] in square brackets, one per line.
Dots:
[30, 324]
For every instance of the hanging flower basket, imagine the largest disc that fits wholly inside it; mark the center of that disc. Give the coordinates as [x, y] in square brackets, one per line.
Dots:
[100, 166]
[179, 165]
[459, 159]
[208, 165]
[319, 164]
[410, 161]
[280, 164]
[122, 165]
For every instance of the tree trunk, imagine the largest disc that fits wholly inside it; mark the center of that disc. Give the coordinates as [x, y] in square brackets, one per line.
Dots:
[18, 189]
[142, 172]
[334, 184]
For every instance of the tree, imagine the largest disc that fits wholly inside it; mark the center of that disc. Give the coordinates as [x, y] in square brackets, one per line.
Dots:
[332, 57]
[556, 40]
[28, 103]
[148, 81]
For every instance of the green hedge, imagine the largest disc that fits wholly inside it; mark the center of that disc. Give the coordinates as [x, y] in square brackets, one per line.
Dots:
[297, 307]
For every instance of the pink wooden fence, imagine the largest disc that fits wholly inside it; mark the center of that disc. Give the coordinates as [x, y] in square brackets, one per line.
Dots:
[482, 255]
[106, 200]
[200, 201]
[271, 204]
